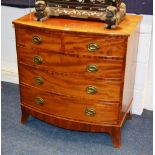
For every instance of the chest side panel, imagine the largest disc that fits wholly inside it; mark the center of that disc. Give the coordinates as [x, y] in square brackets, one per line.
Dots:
[130, 70]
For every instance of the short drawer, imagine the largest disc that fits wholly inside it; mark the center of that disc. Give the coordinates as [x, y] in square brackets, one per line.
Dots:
[71, 64]
[108, 46]
[70, 86]
[71, 108]
[38, 38]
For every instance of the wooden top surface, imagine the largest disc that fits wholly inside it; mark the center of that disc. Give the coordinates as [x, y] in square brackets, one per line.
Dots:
[126, 27]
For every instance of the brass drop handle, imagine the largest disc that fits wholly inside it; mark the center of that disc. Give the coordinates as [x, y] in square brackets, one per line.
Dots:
[37, 59]
[92, 68]
[90, 112]
[39, 101]
[39, 80]
[36, 40]
[92, 47]
[91, 89]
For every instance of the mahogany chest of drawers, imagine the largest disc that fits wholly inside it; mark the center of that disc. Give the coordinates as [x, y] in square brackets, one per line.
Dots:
[76, 74]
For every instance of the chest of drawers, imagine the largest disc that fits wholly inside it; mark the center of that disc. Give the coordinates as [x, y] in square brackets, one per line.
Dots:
[76, 74]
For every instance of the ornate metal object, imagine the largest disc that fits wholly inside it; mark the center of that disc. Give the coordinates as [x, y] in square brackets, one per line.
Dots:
[92, 47]
[36, 40]
[39, 80]
[92, 68]
[39, 101]
[90, 112]
[109, 11]
[37, 59]
[91, 90]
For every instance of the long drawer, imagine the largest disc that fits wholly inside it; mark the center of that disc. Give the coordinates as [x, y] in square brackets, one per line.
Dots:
[71, 108]
[71, 64]
[38, 38]
[70, 86]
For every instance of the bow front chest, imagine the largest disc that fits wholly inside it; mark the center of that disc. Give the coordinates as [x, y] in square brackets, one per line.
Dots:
[77, 74]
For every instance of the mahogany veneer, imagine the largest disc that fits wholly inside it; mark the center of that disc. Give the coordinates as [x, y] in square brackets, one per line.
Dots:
[76, 74]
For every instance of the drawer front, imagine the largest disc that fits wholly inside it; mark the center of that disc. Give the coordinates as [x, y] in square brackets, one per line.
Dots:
[71, 64]
[71, 108]
[38, 39]
[108, 46]
[70, 86]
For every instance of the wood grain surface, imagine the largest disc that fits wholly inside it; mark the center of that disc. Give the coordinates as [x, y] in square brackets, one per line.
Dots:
[70, 86]
[109, 46]
[48, 40]
[73, 65]
[73, 108]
